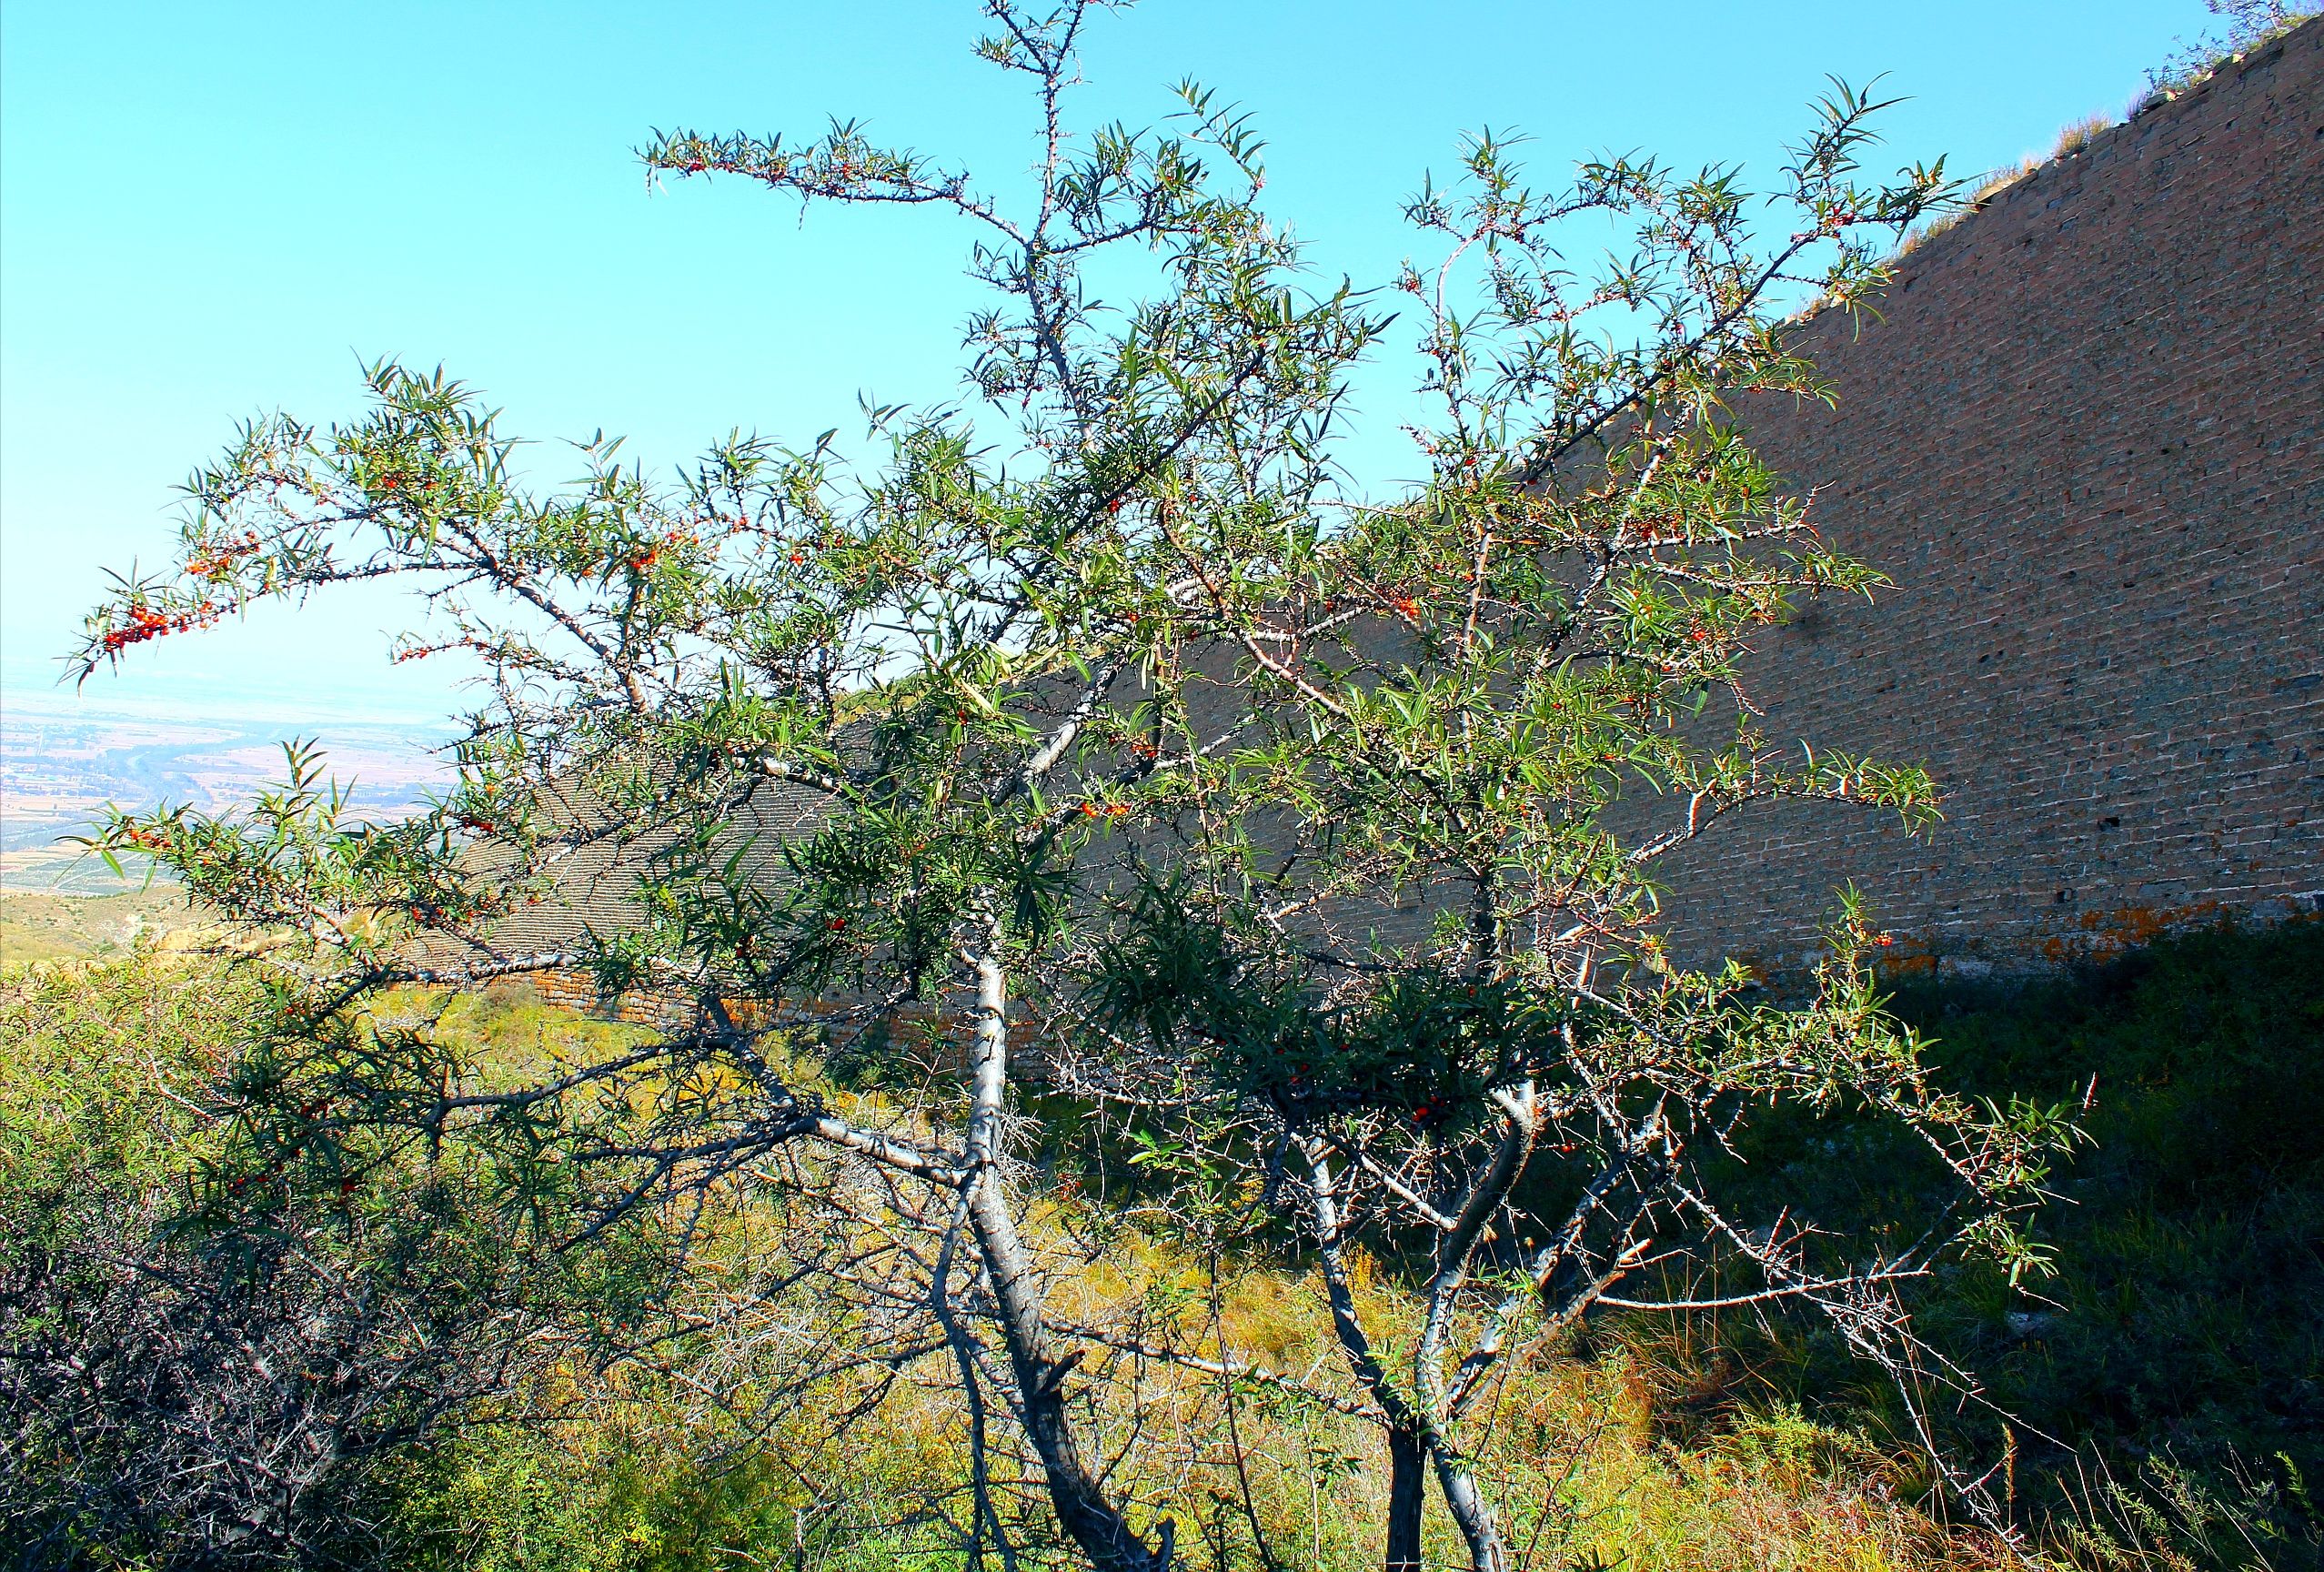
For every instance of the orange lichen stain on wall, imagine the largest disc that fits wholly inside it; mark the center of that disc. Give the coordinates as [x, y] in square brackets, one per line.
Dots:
[1904, 955]
[2104, 935]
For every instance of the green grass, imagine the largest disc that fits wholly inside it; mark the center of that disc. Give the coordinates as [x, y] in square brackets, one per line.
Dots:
[2168, 1387]
[2189, 1288]
[2176, 1350]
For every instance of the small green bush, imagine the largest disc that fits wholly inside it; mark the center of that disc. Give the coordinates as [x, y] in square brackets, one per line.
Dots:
[2173, 1354]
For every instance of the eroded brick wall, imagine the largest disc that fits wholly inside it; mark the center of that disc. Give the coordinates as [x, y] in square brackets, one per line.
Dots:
[2087, 442]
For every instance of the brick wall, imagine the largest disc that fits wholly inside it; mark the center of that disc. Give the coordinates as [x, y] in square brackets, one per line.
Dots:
[578, 991]
[2087, 442]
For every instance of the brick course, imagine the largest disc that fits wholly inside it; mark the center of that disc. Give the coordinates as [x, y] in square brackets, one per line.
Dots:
[2087, 442]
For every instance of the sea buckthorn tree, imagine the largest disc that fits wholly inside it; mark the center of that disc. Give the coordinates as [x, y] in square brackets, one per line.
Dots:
[1308, 837]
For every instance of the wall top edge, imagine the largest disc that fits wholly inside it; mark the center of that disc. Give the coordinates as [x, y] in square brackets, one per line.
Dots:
[2155, 114]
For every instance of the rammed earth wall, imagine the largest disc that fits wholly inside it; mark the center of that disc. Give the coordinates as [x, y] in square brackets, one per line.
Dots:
[2087, 442]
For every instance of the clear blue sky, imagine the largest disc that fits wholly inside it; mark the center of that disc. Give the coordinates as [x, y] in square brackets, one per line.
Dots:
[207, 211]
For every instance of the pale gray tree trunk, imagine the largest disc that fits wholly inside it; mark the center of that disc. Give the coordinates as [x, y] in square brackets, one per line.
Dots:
[1416, 1434]
[1094, 1524]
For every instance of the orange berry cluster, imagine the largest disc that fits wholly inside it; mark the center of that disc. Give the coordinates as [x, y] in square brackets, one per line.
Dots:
[217, 565]
[145, 623]
[422, 651]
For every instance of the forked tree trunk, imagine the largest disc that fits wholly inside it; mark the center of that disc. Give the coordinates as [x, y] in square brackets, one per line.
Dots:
[1454, 1476]
[1408, 1447]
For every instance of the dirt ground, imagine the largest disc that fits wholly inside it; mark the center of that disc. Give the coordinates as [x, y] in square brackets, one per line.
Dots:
[38, 926]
